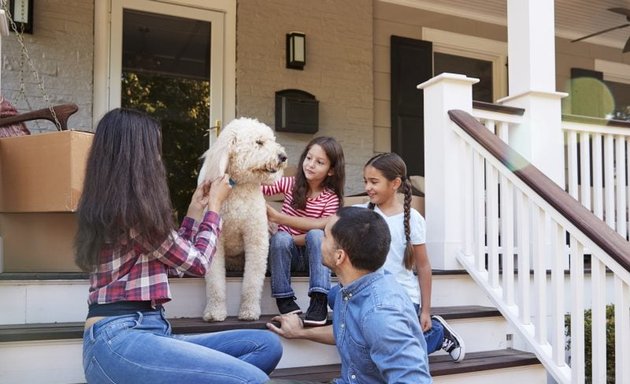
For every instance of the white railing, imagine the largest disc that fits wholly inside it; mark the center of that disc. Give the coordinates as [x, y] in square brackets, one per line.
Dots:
[597, 167]
[497, 121]
[517, 246]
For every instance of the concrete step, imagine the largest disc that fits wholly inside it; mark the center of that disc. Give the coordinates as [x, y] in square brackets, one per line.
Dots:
[61, 297]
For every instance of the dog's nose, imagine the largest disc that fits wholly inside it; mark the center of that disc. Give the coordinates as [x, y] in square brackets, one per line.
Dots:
[282, 157]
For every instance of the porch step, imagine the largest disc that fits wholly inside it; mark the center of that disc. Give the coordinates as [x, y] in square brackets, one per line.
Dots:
[74, 330]
[35, 297]
[481, 327]
[439, 366]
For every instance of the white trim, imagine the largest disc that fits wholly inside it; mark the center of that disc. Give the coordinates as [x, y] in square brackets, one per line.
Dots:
[476, 48]
[435, 6]
[617, 72]
[108, 27]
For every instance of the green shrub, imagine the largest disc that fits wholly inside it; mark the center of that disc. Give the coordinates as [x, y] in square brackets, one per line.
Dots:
[610, 342]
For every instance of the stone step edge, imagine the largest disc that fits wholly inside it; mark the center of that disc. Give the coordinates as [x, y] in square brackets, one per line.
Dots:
[439, 365]
[74, 330]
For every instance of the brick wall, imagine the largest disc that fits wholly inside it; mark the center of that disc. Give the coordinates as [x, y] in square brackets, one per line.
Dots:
[338, 71]
[61, 50]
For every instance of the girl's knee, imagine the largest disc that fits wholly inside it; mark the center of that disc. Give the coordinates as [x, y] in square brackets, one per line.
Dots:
[281, 240]
[314, 235]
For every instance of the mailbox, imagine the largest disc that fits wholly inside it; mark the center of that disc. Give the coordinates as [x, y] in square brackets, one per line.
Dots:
[296, 111]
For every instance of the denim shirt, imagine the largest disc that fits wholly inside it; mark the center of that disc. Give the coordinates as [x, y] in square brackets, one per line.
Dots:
[377, 332]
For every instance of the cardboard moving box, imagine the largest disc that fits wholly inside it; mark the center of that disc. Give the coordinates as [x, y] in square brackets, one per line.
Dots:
[38, 242]
[43, 172]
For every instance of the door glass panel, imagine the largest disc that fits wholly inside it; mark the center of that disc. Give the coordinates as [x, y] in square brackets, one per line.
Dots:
[166, 73]
[480, 69]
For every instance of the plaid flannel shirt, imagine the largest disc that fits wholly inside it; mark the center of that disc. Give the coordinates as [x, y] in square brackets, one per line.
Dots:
[135, 270]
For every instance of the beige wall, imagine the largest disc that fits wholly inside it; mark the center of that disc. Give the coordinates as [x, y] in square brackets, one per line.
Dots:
[61, 49]
[338, 71]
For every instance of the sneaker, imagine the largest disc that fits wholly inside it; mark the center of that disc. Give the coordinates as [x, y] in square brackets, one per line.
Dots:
[317, 313]
[453, 343]
[287, 305]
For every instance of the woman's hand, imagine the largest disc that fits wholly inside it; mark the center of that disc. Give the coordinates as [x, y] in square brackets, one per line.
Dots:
[199, 201]
[219, 190]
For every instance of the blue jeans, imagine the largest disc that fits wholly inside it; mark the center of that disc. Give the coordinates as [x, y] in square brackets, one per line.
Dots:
[139, 348]
[285, 256]
[434, 336]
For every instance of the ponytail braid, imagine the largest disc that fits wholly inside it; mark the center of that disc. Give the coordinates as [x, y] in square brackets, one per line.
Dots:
[408, 260]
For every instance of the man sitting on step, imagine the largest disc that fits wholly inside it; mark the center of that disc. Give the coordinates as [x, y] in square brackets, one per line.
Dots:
[375, 326]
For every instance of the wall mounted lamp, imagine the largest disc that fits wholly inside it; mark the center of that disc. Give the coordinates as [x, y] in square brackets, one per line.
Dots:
[22, 14]
[296, 50]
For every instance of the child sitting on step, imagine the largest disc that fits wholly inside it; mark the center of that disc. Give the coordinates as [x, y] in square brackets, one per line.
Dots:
[384, 175]
[314, 193]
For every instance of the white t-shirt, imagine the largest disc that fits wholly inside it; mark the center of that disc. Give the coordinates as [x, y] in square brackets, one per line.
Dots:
[394, 262]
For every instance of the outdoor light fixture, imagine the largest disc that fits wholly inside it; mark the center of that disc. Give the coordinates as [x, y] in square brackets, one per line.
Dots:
[296, 50]
[22, 14]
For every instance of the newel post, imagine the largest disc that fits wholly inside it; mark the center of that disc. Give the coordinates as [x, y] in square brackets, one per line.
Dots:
[443, 182]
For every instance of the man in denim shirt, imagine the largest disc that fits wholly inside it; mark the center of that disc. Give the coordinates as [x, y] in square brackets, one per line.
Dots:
[375, 327]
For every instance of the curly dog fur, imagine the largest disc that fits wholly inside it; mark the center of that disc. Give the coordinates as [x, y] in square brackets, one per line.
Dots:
[247, 150]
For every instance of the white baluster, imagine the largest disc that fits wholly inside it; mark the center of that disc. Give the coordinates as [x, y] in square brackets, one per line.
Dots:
[620, 173]
[585, 171]
[572, 164]
[609, 181]
[577, 311]
[598, 199]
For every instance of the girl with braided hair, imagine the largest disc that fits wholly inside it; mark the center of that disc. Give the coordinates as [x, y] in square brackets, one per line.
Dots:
[384, 175]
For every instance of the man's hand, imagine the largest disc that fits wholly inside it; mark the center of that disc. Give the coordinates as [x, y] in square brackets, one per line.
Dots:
[291, 326]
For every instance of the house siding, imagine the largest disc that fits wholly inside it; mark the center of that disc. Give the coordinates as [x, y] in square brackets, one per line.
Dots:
[338, 71]
[61, 50]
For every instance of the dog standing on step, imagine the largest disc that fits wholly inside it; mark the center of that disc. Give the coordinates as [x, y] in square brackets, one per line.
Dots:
[247, 150]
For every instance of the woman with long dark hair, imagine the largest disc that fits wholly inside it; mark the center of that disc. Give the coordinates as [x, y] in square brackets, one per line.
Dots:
[128, 243]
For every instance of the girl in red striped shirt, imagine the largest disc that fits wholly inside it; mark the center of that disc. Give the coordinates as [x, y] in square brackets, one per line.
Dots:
[314, 193]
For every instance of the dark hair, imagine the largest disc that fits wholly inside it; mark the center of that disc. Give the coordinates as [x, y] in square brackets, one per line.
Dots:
[364, 235]
[335, 182]
[392, 166]
[125, 186]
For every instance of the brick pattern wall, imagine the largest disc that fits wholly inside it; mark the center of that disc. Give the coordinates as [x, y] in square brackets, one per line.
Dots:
[338, 71]
[61, 49]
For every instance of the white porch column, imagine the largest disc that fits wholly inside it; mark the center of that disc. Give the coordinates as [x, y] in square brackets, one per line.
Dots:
[442, 173]
[532, 84]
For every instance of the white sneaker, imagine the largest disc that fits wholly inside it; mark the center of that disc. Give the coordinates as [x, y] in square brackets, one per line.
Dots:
[453, 343]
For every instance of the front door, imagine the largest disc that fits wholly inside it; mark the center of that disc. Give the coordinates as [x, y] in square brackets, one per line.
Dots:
[168, 63]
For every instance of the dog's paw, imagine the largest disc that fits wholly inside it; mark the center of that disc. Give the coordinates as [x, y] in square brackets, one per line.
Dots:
[249, 314]
[214, 315]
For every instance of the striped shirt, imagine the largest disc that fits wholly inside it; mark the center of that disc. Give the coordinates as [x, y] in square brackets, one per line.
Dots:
[324, 205]
[134, 270]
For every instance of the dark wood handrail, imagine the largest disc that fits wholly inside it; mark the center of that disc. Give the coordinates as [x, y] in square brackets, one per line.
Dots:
[596, 120]
[62, 112]
[601, 234]
[498, 108]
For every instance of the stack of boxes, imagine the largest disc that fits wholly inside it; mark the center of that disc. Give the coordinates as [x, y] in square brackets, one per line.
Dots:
[41, 178]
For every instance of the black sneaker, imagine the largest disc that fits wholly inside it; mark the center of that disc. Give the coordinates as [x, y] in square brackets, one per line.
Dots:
[453, 343]
[287, 305]
[317, 313]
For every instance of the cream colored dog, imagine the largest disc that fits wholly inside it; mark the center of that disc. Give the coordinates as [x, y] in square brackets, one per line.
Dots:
[246, 149]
